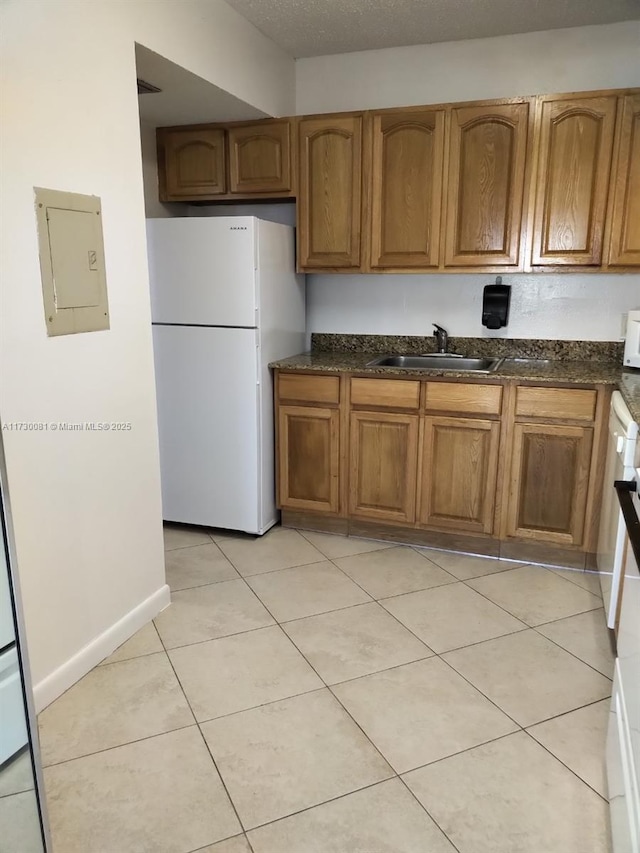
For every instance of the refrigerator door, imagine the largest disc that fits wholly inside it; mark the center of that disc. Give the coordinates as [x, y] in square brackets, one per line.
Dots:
[208, 418]
[202, 270]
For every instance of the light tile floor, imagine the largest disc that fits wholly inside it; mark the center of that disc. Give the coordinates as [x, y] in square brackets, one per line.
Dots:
[308, 693]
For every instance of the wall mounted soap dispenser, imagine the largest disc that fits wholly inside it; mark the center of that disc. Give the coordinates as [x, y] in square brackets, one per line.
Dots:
[495, 304]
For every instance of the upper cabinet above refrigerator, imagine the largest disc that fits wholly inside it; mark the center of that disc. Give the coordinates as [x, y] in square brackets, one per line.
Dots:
[241, 160]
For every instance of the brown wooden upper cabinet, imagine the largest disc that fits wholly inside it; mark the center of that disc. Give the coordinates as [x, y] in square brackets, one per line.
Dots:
[329, 209]
[260, 158]
[238, 161]
[406, 188]
[485, 189]
[624, 247]
[191, 163]
[575, 146]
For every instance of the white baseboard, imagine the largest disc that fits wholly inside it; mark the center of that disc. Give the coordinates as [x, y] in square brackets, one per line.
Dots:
[61, 679]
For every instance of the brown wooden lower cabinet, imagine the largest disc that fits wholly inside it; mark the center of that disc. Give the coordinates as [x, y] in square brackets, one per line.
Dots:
[417, 460]
[459, 470]
[383, 466]
[549, 481]
[309, 458]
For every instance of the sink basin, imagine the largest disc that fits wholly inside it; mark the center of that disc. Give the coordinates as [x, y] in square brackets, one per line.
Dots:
[437, 362]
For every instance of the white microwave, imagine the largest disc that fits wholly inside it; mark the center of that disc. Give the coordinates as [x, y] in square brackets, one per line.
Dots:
[632, 343]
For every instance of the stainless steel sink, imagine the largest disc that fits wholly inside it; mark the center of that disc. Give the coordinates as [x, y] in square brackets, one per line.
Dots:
[437, 361]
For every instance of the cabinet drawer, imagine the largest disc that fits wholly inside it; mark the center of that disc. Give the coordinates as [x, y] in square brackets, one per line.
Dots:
[390, 393]
[309, 389]
[574, 404]
[464, 397]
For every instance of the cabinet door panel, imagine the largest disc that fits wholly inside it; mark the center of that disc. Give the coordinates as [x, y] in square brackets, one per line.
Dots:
[625, 218]
[384, 456]
[459, 473]
[193, 163]
[308, 458]
[549, 482]
[406, 175]
[260, 158]
[485, 188]
[573, 180]
[329, 203]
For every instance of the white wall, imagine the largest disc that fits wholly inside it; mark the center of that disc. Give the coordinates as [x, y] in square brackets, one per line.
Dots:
[569, 307]
[210, 39]
[282, 212]
[603, 57]
[86, 506]
[576, 307]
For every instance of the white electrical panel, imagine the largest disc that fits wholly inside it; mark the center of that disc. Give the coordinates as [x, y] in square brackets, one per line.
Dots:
[74, 285]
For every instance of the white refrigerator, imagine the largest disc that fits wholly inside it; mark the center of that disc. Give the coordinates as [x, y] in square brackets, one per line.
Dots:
[225, 301]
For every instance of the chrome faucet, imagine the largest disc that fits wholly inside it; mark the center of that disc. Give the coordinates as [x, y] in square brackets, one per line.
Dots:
[442, 338]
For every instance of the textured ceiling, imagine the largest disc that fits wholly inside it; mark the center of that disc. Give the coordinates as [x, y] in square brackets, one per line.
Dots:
[319, 27]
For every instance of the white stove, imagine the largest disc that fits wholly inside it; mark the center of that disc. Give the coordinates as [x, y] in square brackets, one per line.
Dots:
[623, 741]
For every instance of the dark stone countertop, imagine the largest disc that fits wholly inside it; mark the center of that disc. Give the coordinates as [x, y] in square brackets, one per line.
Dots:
[629, 387]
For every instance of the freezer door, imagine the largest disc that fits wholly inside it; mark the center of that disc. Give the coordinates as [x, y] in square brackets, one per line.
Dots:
[202, 270]
[208, 423]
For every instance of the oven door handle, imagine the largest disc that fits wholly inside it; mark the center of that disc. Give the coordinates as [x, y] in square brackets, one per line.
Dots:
[624, 488]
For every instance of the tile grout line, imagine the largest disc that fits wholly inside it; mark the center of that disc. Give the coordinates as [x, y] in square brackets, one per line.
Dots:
[200, 585]
[428, 813]
[533, 627]
[222, 840]
[565, 713]
[570, 616]
[459, 752]
[323, 803]
[557, 569]
[349, 538]
[212, 639]
[378, 600]
[573, 655]
[566, 766]
[327, 612]
[262, 704]
[545, 719]
[117, 746]
[281, 569]
[186, 547]
[17, 793]
[471, 684]
[206, 745]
